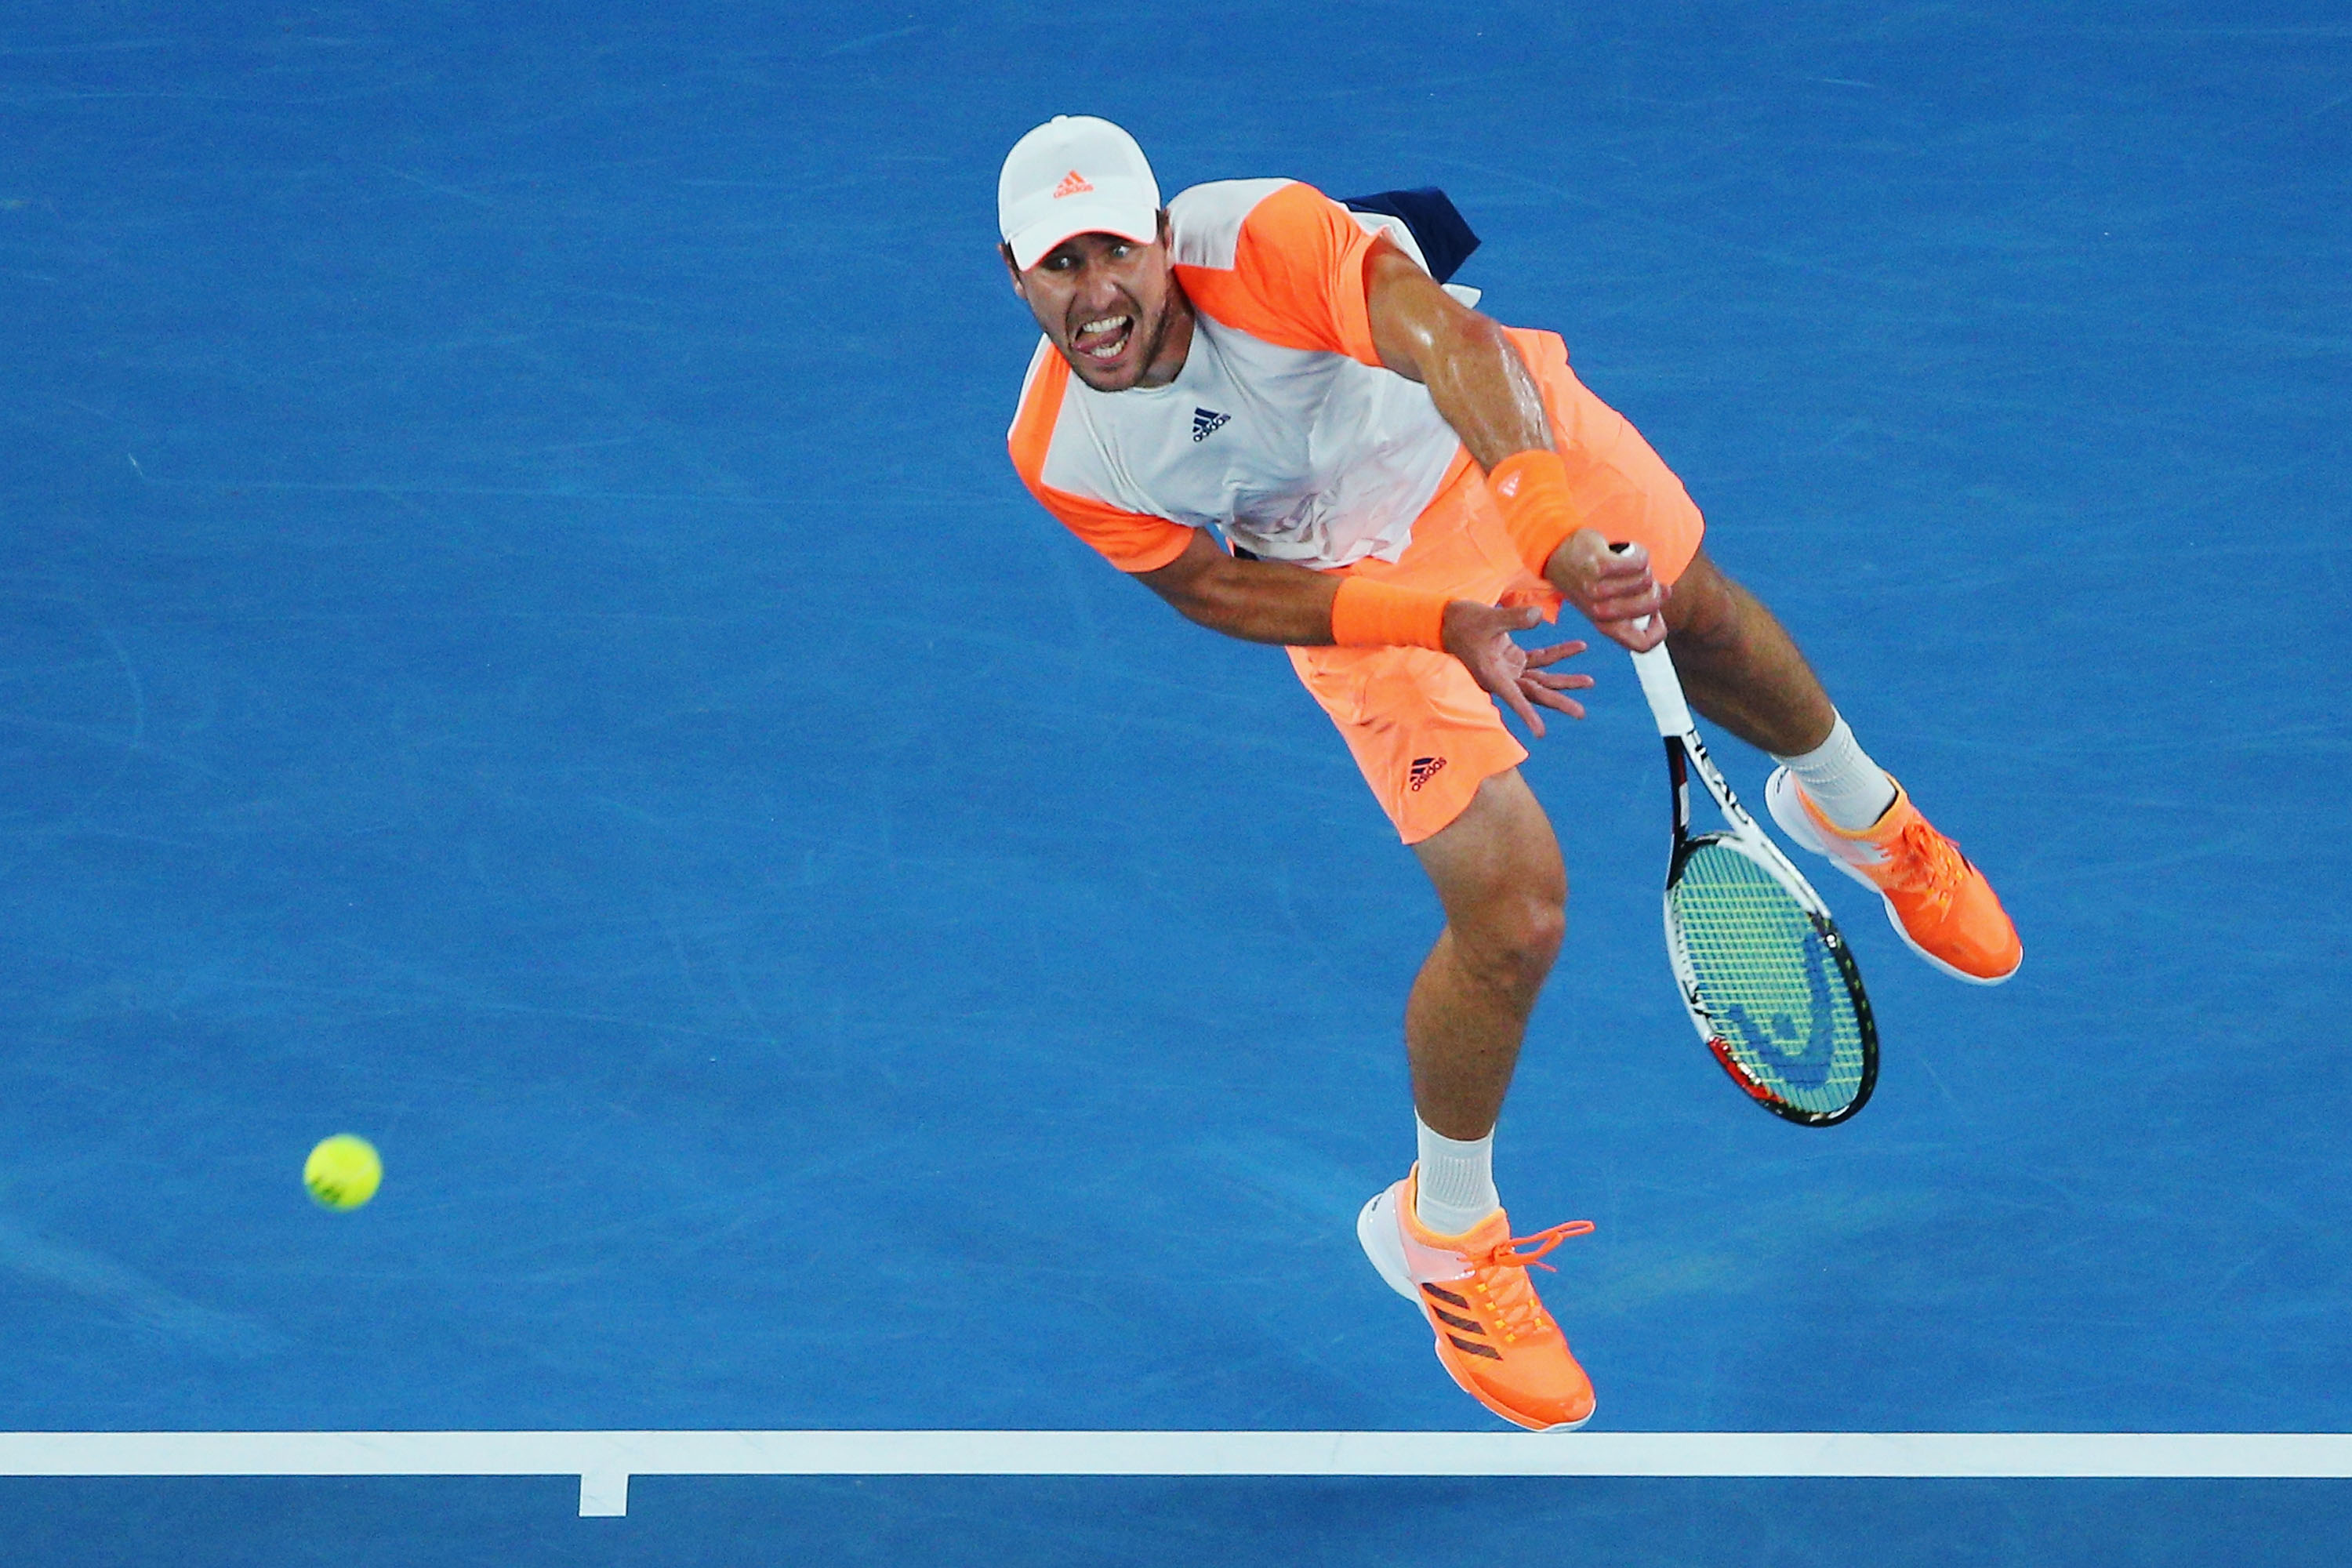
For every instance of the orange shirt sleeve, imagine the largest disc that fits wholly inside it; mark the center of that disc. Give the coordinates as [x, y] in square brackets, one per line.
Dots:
[1130, 541]
[1297, 278]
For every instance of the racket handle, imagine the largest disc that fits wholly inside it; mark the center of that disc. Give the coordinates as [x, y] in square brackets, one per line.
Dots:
[1661, 685]
[1655, 670]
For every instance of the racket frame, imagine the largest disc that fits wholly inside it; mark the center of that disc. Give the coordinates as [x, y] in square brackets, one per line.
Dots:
[1686, 754]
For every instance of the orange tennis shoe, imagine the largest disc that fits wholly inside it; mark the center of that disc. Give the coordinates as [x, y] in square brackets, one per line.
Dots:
[1936, 900]
[1493, 1334]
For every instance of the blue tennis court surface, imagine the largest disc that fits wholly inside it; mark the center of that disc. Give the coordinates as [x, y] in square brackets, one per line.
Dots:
[518, 638]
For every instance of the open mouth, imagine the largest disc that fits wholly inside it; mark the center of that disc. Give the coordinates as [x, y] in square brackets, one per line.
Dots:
[1103, 339]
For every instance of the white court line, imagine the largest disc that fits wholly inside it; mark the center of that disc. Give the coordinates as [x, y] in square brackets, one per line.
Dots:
[605, 1460]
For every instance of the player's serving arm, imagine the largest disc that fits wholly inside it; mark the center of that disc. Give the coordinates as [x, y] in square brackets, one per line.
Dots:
[1405, 483]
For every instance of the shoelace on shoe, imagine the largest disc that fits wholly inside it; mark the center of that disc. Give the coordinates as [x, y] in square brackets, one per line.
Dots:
[1509, 1296]
[1928, 862]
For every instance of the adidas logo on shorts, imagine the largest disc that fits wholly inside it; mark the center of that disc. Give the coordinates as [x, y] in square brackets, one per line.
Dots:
[1424, 769]
[1207, 423]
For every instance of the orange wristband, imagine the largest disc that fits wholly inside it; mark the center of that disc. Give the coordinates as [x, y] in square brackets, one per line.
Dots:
[1531, 487]
[1383, 615]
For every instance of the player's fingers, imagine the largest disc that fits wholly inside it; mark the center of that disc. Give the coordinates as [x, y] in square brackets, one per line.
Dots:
[1625, 607]
[1511, 694]
[1612, 598]
[1555, 653]
[1554, 701]
[1511, 615]
[1640, 634]
[1620, 565]
[1631, 584]
[1559, 682]
[1479, 622]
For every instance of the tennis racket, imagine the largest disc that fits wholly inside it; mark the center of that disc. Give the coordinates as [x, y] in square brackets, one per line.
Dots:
[1768, 979]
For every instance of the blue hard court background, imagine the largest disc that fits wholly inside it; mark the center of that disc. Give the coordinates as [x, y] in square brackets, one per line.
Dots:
[518, 637]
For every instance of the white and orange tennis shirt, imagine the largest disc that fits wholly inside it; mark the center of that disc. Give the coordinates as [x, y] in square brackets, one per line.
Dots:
[1282, 430]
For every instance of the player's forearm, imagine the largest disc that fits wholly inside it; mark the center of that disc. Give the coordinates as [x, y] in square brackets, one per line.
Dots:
[1261, 601]
[1483, 388]
[1268, 602]
[1473, 372]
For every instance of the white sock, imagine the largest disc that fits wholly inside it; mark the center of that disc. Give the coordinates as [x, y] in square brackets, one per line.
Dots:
[1455, 1189]
[1840, 778]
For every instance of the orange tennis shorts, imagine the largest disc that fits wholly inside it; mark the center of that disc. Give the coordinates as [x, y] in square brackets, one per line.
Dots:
[1425, 733]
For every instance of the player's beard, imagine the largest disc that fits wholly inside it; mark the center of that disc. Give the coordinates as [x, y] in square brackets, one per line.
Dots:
[1150, 355]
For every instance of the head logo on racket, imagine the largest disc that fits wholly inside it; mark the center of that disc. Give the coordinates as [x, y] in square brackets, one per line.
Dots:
[1804, 1058]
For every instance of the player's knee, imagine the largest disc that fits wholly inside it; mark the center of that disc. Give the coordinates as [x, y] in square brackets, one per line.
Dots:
[1517, 942]
[1542, 927]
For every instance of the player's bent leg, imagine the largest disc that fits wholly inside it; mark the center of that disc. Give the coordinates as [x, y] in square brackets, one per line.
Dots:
[1742, 669]
[1498, 873]
[1740, 665]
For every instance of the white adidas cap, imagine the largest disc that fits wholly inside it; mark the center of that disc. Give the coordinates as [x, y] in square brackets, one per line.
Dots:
[1074, 174]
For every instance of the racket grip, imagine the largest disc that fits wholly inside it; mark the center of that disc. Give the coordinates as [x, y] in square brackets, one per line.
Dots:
[1655, 670]
[1661, 685]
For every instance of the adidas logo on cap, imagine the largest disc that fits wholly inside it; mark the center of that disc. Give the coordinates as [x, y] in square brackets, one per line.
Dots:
[1074, 174]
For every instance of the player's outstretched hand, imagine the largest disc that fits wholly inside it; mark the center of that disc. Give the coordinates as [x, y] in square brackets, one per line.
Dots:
[1480, 636]
[1612, 586]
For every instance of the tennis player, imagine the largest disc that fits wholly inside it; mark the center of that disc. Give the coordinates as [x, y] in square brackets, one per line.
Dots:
[1402, 484]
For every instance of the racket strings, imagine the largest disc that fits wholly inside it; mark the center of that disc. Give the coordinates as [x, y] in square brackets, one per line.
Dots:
[1771, 990]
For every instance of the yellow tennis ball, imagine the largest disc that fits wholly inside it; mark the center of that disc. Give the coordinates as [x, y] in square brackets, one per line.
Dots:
[343, 1172]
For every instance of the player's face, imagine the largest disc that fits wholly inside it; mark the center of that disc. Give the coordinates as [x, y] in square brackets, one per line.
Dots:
[1113, 308]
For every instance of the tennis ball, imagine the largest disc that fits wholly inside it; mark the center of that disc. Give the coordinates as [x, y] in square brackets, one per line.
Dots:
[343, 1172]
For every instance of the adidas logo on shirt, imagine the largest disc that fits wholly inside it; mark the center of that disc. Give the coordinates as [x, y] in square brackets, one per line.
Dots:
[1207, 423]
